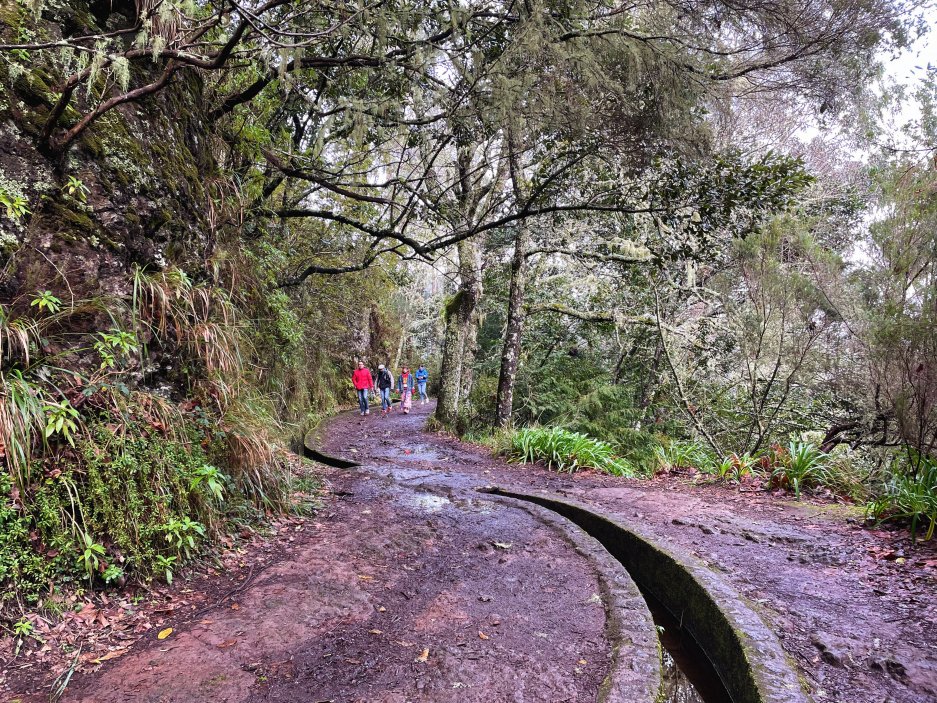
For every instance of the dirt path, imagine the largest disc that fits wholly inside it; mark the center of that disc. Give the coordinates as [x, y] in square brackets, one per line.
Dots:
[855, 609]
[412, 586]
[396, 595]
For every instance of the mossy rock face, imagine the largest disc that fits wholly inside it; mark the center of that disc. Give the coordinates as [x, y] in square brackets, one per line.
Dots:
[144, 165]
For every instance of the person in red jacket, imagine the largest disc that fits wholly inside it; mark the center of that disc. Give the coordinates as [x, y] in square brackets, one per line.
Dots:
[363, 384]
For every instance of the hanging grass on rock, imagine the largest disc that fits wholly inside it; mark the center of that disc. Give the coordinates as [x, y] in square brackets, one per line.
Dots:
[563, 450]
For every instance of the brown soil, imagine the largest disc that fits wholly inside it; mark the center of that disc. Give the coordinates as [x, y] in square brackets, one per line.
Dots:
[397, 591]
[856, 609]
[392, 594]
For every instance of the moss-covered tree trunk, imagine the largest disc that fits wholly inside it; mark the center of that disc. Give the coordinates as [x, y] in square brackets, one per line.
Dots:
[469, 352]
[459, 319]
[514, 329]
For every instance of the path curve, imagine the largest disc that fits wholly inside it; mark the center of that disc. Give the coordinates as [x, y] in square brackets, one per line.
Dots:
[857, 627]
[400, 593]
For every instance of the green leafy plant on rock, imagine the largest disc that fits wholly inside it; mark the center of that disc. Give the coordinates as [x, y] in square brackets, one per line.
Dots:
[16, 205]
[76, 188]
[46, 302]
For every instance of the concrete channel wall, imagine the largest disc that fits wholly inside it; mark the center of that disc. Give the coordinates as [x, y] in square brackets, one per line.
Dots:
[747, 656]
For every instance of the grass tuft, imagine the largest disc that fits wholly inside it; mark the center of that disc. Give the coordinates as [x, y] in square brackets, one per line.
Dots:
[563, 450]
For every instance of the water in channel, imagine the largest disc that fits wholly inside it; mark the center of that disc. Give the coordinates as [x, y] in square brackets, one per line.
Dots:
[689, 676]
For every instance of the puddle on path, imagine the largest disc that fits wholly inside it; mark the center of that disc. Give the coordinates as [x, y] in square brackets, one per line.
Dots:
[429, 502]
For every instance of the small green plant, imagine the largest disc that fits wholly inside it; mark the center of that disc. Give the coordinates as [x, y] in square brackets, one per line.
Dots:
[800, 466]
[113, 344]
[91, 555]
[723, 468]
[112, 573]
[742, 466]
[61, 419]
[46, 302]
[683, 455]
[164, 565]
[76, 188]
[22, 628]
[563, 450]
[183, 534]
[16, 205]
[211, 478]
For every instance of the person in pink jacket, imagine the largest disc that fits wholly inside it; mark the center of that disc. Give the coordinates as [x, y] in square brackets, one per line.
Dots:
[363, 384]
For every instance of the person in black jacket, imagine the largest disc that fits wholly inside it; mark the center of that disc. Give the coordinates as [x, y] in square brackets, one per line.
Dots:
[382, 385]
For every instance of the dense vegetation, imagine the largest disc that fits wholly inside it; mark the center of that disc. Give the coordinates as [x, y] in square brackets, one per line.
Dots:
[612, 224]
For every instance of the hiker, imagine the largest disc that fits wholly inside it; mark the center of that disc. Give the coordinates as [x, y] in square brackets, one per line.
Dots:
[361, 377]
[405, 388]
[382, 385]
[421, 377]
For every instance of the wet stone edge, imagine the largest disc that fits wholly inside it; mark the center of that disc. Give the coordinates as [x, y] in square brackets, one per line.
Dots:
[310, 452]
[745, 653]
[635, 672]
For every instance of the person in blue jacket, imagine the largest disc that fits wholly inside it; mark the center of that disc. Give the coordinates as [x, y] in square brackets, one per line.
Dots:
[421, 377]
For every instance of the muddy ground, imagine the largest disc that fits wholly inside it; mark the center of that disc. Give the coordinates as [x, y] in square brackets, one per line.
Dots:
[391, 595]
[410, 586]
[855, 608]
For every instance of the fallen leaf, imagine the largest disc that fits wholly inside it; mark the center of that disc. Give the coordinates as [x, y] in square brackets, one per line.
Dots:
[163, 634]
[483, 636]
[111, 655]
[365, 578]
[381, 609]
[375, 632]
[424, 655]
[582, 661]
[235, 606]
[226, 644]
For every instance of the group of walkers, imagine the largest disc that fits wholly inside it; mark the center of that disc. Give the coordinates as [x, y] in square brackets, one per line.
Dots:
[382, 385]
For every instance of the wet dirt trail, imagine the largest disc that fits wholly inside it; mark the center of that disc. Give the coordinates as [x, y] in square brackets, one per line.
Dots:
[854, 609]
[395, 594]
[410, 585]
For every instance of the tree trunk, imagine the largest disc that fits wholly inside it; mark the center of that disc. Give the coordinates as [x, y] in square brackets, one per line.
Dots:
[469, 351]
[514, 329]
[459, 317]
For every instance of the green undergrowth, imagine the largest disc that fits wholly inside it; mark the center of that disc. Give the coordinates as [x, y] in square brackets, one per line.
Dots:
[129, 505]
[910, 495]
[898, 488]
[563, 450]
[107, 481]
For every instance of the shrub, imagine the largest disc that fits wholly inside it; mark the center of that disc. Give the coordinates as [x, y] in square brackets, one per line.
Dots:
[910, 495]
[564, 450]
[802, 465]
